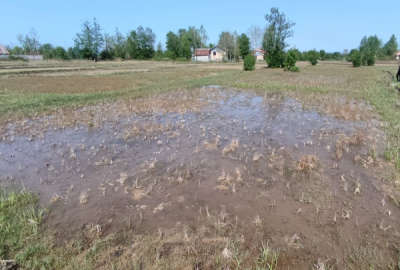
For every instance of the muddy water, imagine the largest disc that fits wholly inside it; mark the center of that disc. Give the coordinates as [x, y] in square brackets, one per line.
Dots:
[264, 161]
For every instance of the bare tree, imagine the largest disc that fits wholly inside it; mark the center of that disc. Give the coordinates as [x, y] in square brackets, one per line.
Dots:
[256, 35]
[203, 36]
[30, 42]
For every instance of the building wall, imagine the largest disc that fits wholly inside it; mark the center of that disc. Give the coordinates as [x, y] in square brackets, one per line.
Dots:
[217, 57]
[201, 58]
[260, 57]
[31, 57]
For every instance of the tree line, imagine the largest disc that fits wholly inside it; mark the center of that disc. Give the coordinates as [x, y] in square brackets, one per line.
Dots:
[92, 43]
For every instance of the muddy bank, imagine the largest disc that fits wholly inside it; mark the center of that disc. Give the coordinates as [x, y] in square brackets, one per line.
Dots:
[310, 184]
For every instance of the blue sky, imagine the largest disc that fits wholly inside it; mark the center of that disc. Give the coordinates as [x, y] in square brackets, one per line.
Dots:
[329, 25]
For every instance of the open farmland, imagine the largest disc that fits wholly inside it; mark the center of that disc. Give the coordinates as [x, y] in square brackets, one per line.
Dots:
[162, 165]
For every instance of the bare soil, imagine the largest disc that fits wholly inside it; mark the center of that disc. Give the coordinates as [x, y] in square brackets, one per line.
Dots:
[310, 182]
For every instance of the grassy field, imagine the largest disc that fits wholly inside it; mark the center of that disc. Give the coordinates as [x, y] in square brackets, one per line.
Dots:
[38, 89]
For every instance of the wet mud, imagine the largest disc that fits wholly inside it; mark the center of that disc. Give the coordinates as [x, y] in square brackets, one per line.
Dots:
[308, 183]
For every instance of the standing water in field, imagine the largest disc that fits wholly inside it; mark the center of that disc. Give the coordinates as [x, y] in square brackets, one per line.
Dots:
[306, 180]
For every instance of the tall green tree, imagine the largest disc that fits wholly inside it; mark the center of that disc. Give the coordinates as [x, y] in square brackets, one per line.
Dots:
[244, 45]
[60, 53]
[119, 44]
[90, 40]
[369, 48]
[132, 46]
[173, 45]
[146, 39]
[186, 43]
[47, 51]
[390, 48]
[278, 30]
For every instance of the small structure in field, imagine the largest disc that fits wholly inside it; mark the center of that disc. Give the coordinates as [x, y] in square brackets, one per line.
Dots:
[208, 54]
[397, 55]
[259, 54]
[3, 52]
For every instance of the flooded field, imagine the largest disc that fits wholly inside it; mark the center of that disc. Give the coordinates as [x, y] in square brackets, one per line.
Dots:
[218, 166]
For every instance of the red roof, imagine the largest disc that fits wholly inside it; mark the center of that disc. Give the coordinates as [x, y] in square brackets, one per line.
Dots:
[202, 52]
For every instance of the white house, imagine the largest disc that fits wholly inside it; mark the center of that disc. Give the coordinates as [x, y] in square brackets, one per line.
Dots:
[3, 50]
[397, 55]
[259, 54]
[208, 54]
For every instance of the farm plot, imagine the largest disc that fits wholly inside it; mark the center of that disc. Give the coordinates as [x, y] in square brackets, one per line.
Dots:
[212, 177]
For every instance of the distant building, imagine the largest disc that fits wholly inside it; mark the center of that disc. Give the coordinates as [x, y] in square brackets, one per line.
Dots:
[208, 55]
[398, 55]
[259, 54]
[4, 54]
[3, 50]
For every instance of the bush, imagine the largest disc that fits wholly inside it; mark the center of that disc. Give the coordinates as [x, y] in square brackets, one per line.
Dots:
[293, 69]
[275, 59]
[290, 61]
[249, 63]
[313, 57]
[355, 58]
[370, 59]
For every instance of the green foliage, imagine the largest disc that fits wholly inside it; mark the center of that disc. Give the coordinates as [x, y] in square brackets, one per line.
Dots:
[244, 45]
[107, 54]
[16, 51]
[290, 61]
[60, 53]
[140, 43]
[268, 258]
[159, 54]
[355, 58]
[47, 51]
[278, 30]
[90, 40]
[369, 48]
[275, 58]
[313, 56]
[183, 43]
[173, 45]
[73, 53]
[390, 48]
[322, 54]
[249, 63]
[19, 219]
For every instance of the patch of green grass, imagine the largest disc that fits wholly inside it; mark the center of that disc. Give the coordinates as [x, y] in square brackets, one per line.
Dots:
[20, 218]
[19, 221]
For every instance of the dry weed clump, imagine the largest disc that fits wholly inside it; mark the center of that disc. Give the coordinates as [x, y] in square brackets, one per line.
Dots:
[307, 164]
[344, 142]
[231, 148]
